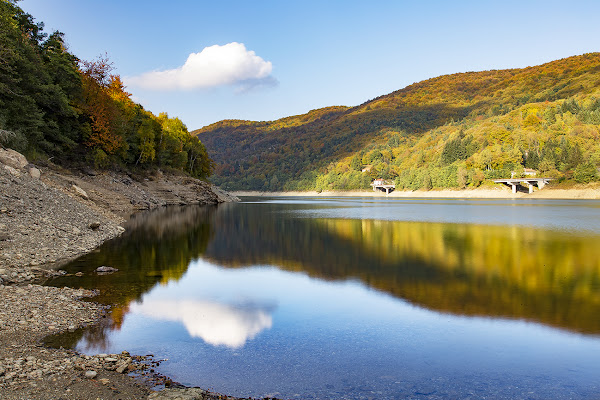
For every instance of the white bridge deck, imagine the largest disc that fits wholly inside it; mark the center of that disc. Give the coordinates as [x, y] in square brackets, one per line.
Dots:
[384, 187]
[530, 182]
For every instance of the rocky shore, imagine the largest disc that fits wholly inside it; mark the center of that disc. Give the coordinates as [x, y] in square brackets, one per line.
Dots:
[49, 215]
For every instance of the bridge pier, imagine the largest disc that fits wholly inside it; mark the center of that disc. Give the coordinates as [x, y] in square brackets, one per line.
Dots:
[383, 186]
[531, 182]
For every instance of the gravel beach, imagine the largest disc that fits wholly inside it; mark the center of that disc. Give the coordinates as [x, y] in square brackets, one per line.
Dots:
[49, 215]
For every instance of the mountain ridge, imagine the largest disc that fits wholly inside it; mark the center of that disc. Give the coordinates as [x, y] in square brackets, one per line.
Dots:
[297, 149]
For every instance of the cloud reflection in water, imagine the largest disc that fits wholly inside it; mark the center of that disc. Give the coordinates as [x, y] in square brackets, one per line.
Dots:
[215, 323]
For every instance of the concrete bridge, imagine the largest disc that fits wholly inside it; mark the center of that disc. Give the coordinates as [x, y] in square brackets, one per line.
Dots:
[530, 182]
[380, 184]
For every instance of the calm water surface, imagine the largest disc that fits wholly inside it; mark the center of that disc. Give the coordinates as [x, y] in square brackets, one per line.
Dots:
[358, 298]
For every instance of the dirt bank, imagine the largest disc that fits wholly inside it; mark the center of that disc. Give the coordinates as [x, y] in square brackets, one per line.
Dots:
[47, 215]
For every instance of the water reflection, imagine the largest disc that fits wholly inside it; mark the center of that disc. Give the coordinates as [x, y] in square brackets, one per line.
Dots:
[217, 324]
[543, 275]
[156, 248]
[207, 288]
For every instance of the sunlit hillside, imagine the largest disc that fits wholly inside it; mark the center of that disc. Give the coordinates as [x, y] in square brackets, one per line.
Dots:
[450, 131]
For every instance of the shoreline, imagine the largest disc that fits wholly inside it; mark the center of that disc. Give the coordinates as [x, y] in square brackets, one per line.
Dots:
[581, 192]
[49, 215]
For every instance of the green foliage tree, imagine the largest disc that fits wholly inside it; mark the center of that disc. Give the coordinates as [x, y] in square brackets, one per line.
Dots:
[52, 104]
[356, 164]
[146, 148]
[585, 173]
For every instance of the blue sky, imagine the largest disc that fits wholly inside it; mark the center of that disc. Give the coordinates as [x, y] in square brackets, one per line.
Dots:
[308, 54]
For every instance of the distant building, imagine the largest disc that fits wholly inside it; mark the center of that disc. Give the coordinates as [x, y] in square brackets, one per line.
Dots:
[526, 172]
[367, 168]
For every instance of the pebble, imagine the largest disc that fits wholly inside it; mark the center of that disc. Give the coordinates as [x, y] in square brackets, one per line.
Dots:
[90, 374]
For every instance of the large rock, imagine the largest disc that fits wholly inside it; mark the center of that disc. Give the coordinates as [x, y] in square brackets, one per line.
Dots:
[12, 158]
[12, 171]
[80, 192]
[223, 196]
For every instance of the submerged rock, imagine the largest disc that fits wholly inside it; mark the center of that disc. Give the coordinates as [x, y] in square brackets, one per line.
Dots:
[106, 270]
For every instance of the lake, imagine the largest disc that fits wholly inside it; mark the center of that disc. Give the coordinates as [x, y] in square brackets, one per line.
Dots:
[357, 298]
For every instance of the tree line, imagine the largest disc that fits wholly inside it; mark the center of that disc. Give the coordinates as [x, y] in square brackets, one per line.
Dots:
[557, 139]
[53, 104]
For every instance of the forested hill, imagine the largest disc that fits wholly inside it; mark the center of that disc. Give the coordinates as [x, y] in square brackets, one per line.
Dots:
[55, 106]
[449, 131]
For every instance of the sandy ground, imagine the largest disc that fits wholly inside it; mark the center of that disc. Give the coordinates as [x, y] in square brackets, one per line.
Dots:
[586, 192]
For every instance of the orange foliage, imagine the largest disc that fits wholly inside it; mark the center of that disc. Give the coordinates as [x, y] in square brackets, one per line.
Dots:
[98, 87]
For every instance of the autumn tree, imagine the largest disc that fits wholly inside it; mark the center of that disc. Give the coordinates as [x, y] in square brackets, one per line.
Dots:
[99, 106]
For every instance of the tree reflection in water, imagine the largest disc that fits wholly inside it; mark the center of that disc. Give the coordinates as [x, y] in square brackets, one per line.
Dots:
[157, 247]
[542, 275]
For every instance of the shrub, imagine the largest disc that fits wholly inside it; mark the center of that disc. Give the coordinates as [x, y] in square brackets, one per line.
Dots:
[585, 173]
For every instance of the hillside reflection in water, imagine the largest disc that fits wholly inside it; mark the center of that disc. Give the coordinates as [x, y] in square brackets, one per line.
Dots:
[172, 287]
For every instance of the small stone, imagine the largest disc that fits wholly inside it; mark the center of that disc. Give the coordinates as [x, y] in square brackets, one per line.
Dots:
[90, 374]
[121, 368]
[110, 359]
[104, 381]
[36, 374]
[76, 231]
[34, 173]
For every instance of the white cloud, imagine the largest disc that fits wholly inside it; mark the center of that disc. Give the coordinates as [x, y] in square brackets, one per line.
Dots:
[216, 324]
[216, 65]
